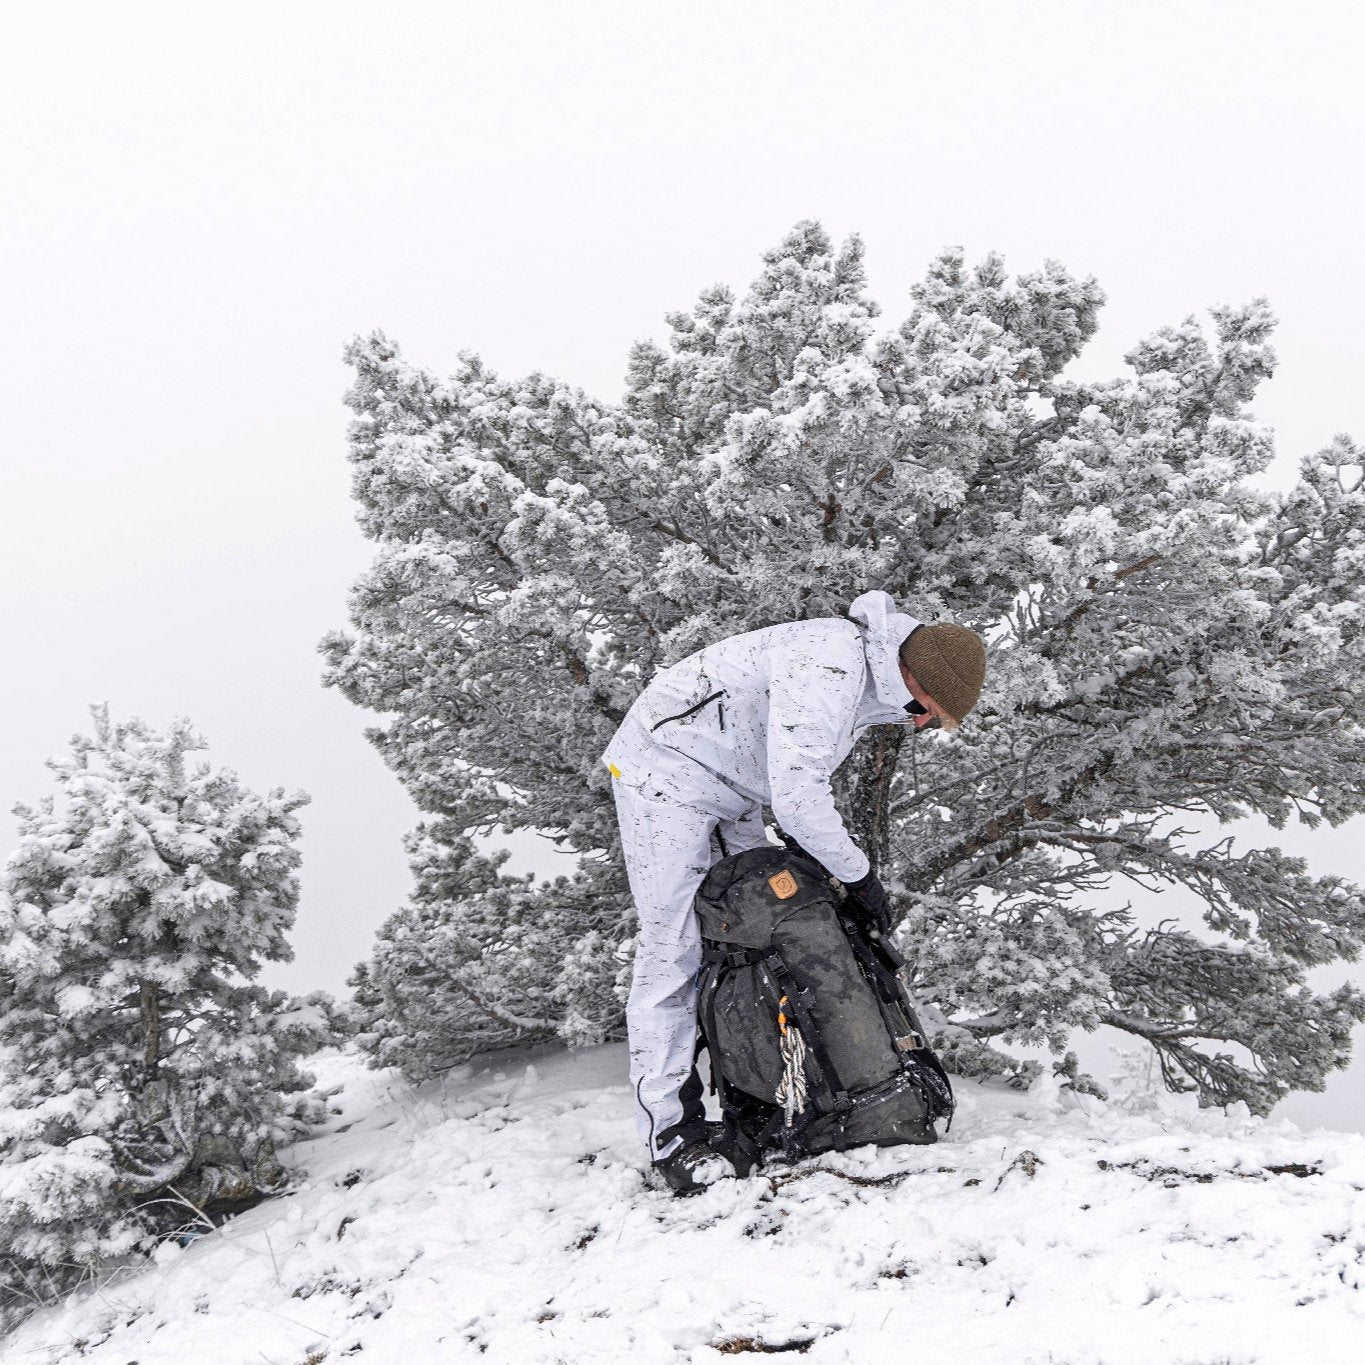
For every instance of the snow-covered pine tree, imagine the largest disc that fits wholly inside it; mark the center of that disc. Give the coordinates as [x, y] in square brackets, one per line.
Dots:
[142, 1075]
[1167, 642]
[466, 966]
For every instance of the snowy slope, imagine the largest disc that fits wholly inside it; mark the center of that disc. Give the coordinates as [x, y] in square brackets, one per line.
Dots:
[501, 1215]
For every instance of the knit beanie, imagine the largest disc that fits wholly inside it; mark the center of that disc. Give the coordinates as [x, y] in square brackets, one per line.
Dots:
[949, 663]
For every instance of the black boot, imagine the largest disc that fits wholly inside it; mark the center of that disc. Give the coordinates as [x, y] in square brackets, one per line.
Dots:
[693, 1167]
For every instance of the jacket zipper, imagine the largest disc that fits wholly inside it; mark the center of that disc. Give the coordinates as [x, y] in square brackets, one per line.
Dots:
[692, 711]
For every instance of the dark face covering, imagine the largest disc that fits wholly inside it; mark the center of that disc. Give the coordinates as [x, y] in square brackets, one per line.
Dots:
[918, 708]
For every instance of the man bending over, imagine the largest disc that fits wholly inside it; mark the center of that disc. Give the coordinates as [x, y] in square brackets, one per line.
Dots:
[762, 718]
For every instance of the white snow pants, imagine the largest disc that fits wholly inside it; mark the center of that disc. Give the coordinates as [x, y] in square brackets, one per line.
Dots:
[668, 847]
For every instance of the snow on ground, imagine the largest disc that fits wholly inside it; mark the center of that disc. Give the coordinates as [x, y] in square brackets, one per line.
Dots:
[501, 1215]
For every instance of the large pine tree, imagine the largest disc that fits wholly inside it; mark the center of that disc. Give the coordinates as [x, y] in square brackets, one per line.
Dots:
[1167, 642]
[145, 1081]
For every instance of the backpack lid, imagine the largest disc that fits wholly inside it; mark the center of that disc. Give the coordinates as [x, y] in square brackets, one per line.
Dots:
[742, 898]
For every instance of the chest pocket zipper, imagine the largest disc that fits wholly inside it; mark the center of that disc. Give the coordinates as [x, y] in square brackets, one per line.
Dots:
[692, 711]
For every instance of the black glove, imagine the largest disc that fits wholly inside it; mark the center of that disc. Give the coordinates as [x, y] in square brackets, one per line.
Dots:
[870, 899]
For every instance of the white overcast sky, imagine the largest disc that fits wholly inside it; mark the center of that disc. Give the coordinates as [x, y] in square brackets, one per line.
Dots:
[200, 204]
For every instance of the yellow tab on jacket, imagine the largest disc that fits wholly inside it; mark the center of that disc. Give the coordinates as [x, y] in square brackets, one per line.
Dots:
[614, 770]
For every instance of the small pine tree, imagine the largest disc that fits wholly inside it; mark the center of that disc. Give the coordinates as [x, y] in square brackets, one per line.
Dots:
[142, 1075]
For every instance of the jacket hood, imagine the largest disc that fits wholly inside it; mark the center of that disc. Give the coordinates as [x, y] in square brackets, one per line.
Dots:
[883, 628]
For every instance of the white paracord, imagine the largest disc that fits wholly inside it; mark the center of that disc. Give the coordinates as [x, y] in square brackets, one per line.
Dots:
[791, 1090]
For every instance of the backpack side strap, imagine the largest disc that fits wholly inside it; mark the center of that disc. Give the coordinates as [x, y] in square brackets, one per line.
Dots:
[827, 1075]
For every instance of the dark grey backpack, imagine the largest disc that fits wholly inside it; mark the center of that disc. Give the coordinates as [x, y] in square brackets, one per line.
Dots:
[813, 1042]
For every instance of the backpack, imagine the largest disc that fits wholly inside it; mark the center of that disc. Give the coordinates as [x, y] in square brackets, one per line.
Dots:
[813, 1042]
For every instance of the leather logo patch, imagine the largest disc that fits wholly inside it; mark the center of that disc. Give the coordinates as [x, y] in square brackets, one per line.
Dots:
[784, 885]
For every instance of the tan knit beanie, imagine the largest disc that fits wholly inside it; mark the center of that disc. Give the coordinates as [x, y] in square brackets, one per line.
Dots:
[949, 663]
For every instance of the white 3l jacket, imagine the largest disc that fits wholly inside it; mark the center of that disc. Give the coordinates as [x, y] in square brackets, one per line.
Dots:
[765, 718]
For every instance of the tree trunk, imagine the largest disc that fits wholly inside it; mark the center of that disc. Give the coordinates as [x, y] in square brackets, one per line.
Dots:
[151, 1025]
[865, 791]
